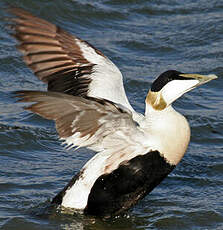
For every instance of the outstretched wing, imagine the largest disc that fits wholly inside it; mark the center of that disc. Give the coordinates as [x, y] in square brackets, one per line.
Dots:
[97, 124]
[65, 62]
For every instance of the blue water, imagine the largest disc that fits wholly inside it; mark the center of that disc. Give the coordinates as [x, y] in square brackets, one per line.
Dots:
[143, 38]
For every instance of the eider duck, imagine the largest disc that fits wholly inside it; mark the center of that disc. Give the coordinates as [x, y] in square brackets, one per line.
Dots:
[87, 101]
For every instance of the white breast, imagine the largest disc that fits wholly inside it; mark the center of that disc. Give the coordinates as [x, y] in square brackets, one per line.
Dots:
[169, 133]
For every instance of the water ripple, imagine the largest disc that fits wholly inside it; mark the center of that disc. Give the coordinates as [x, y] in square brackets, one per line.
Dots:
[144, 38]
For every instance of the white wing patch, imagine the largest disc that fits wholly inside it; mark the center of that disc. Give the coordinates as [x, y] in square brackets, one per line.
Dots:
[107, 80]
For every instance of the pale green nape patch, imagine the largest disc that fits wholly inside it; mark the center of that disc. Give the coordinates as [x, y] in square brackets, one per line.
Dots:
[156, 100]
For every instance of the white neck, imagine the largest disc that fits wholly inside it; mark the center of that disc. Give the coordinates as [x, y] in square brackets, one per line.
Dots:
[169, 131]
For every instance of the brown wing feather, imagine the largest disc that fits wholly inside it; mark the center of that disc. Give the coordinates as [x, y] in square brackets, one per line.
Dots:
[52, 54]
[65, 62]
[71, 114]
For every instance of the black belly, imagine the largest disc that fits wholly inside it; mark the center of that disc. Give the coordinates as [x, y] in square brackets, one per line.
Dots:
[116, 192]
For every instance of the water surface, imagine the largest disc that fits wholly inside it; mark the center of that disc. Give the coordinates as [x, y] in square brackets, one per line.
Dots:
[144, 38]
